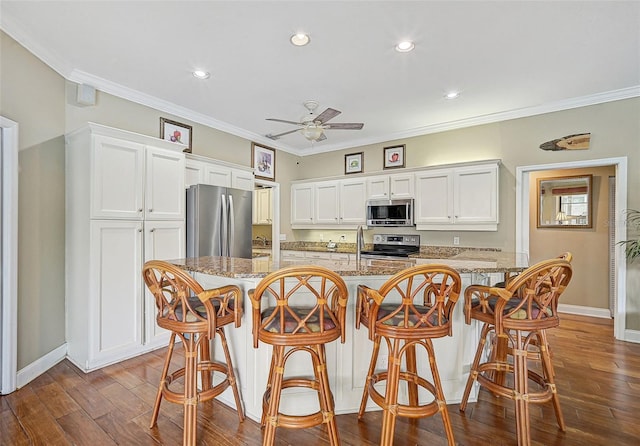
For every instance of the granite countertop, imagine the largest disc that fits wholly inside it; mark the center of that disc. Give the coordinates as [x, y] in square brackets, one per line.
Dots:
[465, 262]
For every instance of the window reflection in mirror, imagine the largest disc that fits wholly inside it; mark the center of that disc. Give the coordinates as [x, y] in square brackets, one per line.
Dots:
[565, 202]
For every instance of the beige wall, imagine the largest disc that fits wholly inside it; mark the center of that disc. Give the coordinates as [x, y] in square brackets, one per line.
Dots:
[32, 95]
[590, 247]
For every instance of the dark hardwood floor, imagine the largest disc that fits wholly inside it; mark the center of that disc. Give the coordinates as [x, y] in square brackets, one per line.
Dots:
[598, 380]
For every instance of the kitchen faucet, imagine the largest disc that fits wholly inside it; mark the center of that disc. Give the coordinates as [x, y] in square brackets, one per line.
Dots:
[263, 239]
[359, 242]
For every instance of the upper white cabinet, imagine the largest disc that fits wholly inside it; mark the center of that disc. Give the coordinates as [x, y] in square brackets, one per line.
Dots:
[201, 170]
[262, 206]
[458, 198]
[132, 181]
[327, 203]
[386, 187]
[353, 198]
[302, 203]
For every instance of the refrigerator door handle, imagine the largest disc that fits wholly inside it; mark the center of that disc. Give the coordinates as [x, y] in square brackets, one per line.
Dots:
[224, 238]
[232, 225]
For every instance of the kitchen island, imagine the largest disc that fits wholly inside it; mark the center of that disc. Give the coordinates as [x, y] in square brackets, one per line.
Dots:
[348, 362]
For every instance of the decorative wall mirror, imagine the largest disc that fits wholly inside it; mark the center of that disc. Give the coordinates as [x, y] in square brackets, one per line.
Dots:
[565, 202]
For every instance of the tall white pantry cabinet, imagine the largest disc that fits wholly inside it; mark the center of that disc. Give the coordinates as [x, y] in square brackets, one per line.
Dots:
[125, 199]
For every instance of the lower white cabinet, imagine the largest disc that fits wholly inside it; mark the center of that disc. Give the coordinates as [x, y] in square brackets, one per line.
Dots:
[110, 314]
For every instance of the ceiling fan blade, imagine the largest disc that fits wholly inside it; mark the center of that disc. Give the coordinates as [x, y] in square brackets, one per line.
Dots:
[346, 126]
[270, 136]
[329, 113]
[285, 121]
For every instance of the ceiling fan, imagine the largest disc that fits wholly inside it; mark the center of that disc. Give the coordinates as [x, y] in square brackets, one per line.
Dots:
[312, 126]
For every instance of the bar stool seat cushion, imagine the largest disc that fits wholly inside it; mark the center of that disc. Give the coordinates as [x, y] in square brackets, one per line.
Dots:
[511, 309]
[394, 315]
[196, 307]
[296, 320]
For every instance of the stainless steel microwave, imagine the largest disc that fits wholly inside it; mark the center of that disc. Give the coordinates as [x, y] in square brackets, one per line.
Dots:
[390, 212]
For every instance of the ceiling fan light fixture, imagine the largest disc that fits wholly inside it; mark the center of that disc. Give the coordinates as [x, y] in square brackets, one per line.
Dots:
[452, 95]
[201, 74]
[312, 132]
[405, 46]
[300, 39]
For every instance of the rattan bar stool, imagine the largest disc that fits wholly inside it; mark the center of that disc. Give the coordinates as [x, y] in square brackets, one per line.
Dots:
[195, 316]
[409, 310]
[516, 318]
[305, 308]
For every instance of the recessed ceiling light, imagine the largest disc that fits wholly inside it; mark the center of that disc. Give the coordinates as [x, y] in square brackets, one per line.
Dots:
[300, 39]
[452, 95]
[200, 74]
[405, 46]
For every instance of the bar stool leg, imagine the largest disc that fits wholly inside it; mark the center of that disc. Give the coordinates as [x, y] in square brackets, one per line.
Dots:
[442, 404]
[265, 400]
[205, 356]
[521, 392]
[391, 396]
[412, 368]
[372, 369]
[190, 389]
[163, 378]
[231, 375]
[473, 373]
[545, 357]
[325, 395]
[271, 421]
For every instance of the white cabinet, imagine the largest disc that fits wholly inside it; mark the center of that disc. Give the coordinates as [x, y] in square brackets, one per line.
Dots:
[302, 204]
[262, 206]
[201, 170]
[314, 255]
[353, 198]
[124, 204]
[327, 203]
[460, 198]
[385, 187]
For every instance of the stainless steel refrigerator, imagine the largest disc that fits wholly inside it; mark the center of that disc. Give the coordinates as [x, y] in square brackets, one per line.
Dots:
[218, 221]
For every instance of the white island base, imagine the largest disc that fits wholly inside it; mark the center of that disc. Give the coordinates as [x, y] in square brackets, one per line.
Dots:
[347, 363]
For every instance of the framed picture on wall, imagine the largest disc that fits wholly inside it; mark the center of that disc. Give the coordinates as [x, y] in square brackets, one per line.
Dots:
[353, 163]
[263, 161]
[176, 132]
[393, 157]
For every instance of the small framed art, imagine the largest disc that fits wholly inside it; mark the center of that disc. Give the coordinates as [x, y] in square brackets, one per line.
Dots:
[176, 132]
[263, 161]
[353, 163]
[393, 157]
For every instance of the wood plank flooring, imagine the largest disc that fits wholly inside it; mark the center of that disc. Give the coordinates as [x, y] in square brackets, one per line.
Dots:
[598, 380]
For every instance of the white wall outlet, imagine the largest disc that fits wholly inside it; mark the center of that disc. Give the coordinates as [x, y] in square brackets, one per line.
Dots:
[456, 241]
[343, 238]
[283, 237]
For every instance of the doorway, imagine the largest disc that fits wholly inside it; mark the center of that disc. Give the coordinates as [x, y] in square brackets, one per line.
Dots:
[523, 185]
[8, 255]
[269, 230]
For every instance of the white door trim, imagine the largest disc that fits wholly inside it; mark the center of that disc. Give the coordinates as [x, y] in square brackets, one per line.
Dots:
[522, 223]
[275, 214]
[9, 296]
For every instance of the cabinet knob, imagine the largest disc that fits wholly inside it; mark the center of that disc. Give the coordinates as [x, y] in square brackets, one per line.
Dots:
[140, 210]
[150, 210]
[139, 230]
[151, 230]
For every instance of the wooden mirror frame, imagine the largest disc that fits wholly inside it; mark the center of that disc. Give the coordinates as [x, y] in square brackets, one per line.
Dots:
[550, 213]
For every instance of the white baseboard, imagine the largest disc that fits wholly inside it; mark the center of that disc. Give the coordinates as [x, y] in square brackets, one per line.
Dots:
[585, 311]
[632, 336]
[41, 365]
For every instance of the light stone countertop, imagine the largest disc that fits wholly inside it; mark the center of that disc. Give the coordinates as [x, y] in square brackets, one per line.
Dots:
[465, 262]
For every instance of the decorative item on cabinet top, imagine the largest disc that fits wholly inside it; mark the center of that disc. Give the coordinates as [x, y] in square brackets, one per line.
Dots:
[176, 132]
[354, 163]
[394, 156]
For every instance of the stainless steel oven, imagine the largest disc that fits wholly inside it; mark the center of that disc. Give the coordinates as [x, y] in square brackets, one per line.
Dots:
[392, 246]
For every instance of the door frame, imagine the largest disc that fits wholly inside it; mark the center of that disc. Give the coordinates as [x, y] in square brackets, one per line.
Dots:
[522, 223]
[9, 254]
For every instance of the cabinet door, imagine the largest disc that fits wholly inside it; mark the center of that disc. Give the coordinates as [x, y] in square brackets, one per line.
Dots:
[378, 187]
[401, 186]
[302, 203]
[476, 195]
[163, 240]
[327, 199]
[164, 197]
[117, 179]
[434, 197]
[262, 206]
[241, 179]
[217, 175]
[193, 173]
[114, 303]
[353, 198]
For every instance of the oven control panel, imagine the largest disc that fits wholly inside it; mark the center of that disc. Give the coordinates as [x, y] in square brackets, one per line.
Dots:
[397, 240]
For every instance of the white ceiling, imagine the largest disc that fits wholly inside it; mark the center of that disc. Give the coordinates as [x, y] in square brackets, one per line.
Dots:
[507, 58]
